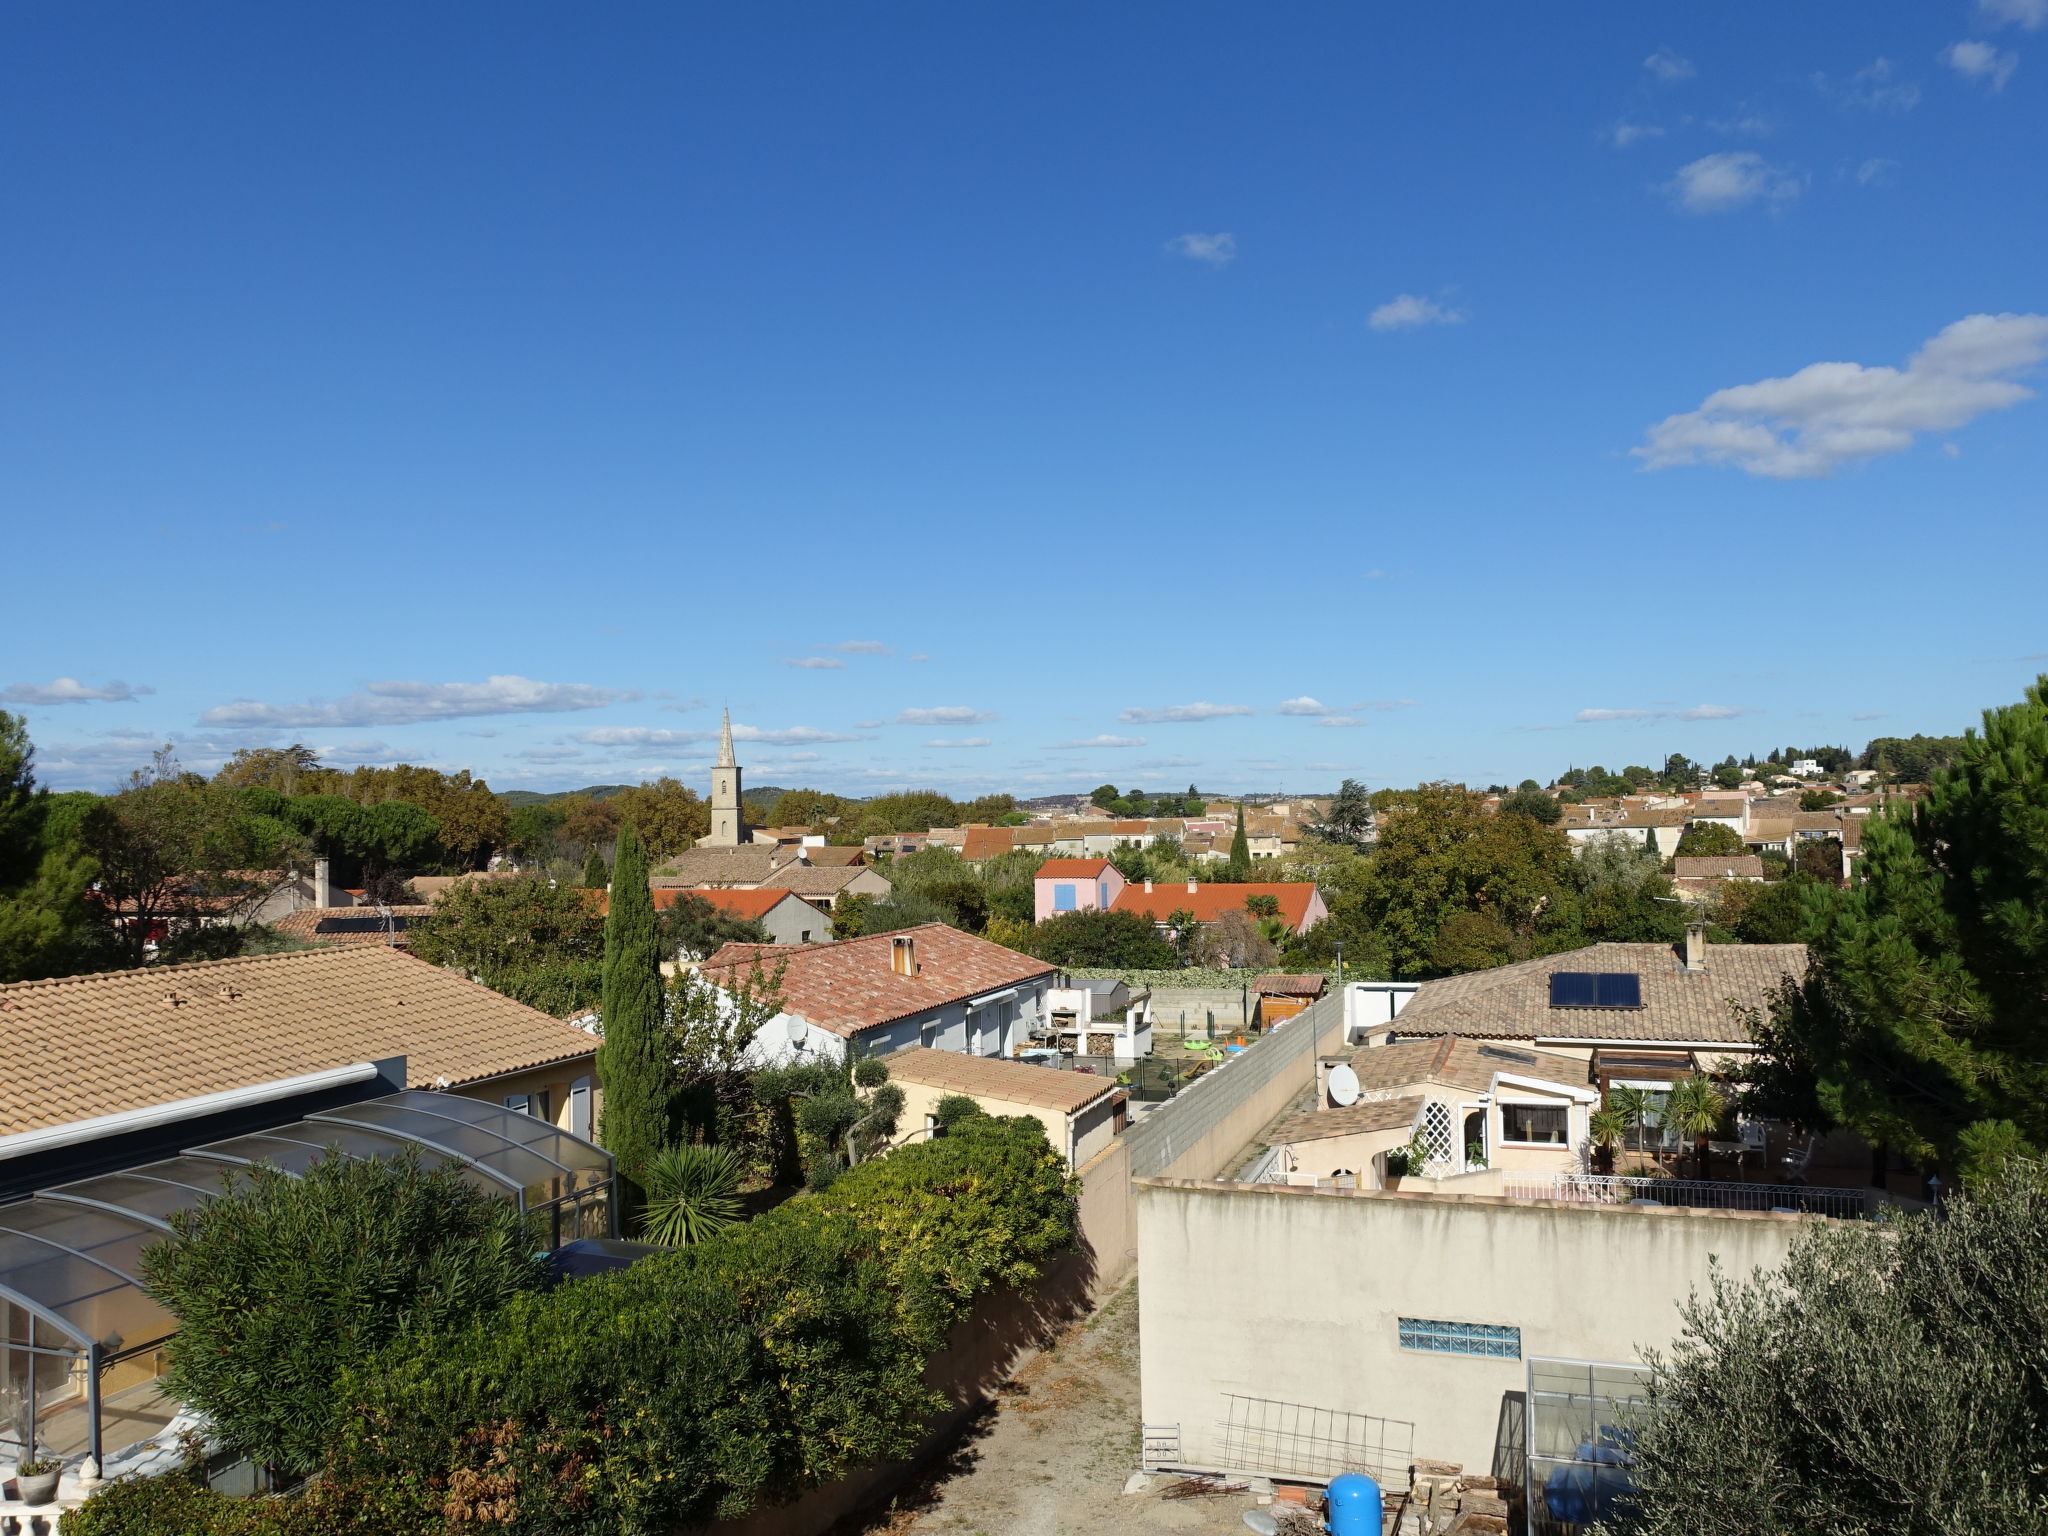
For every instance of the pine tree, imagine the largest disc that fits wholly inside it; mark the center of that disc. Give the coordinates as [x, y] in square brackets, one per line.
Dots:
[633, 1064]
[1238, 867]
[596, 876]
[1919, 1024]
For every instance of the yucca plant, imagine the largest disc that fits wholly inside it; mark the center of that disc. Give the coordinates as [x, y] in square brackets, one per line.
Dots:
[1697, 1109]
[693, 1193]
[1608, 1128]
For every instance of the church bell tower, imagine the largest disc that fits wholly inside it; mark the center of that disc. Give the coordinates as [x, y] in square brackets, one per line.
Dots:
[728, 813]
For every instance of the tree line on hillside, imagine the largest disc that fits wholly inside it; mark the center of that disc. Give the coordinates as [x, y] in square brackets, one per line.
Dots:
[1895, 760]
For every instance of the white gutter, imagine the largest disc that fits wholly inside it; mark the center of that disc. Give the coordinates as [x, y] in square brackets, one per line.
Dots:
[22, 1143]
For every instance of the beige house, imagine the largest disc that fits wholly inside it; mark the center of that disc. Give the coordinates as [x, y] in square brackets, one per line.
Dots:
[828, 887]
[1469, 1105]
[1082, 1113]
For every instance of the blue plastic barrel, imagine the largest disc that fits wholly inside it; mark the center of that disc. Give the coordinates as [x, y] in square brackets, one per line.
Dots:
[1355, 1506]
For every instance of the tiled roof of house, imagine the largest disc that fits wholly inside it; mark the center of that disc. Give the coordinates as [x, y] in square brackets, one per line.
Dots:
[1512, 1002]
[350, 925]
[82, 1046]
[724, 866]
[1746, 866]
[832, 856]
[993, 1079]
[1350, 1120]
[809, 880]
[1210, 900]
[1282, 985]
[1768, 831]
[434, 887]
[1072, 869]
[1459, 1063]
[1580, 818]
[986, 843]
[852, 985]
[747, 904]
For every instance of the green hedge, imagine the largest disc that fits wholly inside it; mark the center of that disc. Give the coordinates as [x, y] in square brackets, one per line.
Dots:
[696, 1385]
[701, 1384]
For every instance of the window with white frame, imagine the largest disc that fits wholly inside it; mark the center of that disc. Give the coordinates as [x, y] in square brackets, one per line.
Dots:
[1545, 1125]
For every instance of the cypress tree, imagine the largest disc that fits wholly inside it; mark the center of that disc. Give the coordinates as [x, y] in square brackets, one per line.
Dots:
[1238, 867]
[633, 1063]
[1919, 1024]
[596, 876]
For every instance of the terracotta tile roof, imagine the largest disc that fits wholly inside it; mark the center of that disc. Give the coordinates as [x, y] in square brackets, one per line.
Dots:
[850, 986]
[992, 1078]
[1210, 900]
[986, 843]
[1281, 985]
[1350, 1120]
[1581, 818]
[82, 1046]
[350, 925]
[1072, 869]
[1457, 1062]
[749, 904]
[725, 866]
[809, 880]
[1747, 866]
[830, 857]
[1513, 1001]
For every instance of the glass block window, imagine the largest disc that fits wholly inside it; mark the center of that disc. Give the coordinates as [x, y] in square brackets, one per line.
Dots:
[1435, 1336]
[1436, 1131]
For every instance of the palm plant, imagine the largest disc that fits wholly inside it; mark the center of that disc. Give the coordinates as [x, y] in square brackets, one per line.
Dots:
[1697, 1109]
[693, 1192]
[1608, 1127]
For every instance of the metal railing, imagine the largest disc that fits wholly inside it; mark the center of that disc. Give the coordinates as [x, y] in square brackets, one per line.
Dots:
[1700, 1194]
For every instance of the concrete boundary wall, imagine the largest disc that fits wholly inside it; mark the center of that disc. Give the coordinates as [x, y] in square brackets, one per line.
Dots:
[1196, 1134]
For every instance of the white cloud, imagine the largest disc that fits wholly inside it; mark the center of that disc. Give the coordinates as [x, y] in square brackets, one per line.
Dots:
[1697, 712]
[946, 714]
[1098, 741]
[1168, 762]
[920, 656]
[1305, 706]
[1874, 88]
[1827, 415]
[1341, 722]
[1668, 66]
[1875, 172]
[1731, 179]
[1623, 133]
[861, 648]
[1182, 714]
[1751, 126]
[407, 703]
[1981, 62]
[1218, 250]
[1410, 311]
[1386, 704]
[1869, 714]
[965, 741]
[69, 690]
[814, 663]
[648, 736]
[2031, 14]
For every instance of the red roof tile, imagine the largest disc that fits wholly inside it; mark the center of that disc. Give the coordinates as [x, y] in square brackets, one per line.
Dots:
[1210, 901]
[1072, 869]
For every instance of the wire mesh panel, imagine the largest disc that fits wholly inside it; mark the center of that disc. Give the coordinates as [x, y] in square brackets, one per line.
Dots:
[1299, 1440]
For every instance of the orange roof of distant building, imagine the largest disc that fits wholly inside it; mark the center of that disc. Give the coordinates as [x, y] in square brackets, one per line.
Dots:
[748, 904]
[986, 843]
[1072, 869]
[1209, 901]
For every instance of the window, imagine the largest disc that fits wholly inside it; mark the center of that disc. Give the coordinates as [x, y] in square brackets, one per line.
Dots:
[1596, 989]
[1540, 1123]
[1102, 894]
[522, 1102]
[1438, 1337]
[1063, 898]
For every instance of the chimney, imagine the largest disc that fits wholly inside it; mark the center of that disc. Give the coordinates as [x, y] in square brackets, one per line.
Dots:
[1696, 945]
[903, 955]
[1192, 885]
[1148, 887]
[323, 883]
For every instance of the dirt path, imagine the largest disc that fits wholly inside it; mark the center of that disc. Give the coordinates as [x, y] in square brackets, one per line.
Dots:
[1051, 1456]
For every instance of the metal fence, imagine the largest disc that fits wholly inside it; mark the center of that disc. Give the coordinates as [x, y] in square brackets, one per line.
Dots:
[1299, 1440]
[1159, 1139]
[1702, 1194]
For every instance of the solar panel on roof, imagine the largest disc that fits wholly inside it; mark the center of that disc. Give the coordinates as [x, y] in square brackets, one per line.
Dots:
[1571, 989]
[359, 924]
[1618, 989]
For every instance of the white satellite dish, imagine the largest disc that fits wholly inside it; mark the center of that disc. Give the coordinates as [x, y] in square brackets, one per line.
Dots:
[1343, 1085]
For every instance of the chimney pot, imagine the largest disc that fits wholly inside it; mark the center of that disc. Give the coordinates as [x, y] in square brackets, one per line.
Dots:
[1696, 945]
[1148, 887]
[1191, 886]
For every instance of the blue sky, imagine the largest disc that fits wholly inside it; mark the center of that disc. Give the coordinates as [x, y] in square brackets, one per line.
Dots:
[1019, 396]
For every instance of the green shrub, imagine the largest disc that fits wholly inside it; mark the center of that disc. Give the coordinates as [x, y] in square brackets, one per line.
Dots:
[281, 1282]
[700, 1384]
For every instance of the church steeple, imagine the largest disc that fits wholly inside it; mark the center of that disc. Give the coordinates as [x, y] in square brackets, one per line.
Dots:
[728, 811]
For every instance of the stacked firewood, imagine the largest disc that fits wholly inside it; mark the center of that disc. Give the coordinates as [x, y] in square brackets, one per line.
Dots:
[1443, 1500]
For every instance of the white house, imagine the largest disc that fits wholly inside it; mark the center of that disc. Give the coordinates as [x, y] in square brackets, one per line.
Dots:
[1095, 1016]
[931, 985]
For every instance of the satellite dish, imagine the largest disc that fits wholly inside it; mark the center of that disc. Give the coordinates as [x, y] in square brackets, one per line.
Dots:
[1343, 1083]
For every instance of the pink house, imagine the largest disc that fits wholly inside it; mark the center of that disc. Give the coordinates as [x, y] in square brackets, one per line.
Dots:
[1075, 885]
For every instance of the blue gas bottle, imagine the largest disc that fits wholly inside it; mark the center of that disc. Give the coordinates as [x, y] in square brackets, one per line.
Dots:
[1355, 1505]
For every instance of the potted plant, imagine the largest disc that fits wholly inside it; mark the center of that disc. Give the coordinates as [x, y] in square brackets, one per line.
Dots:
[37, 1476]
